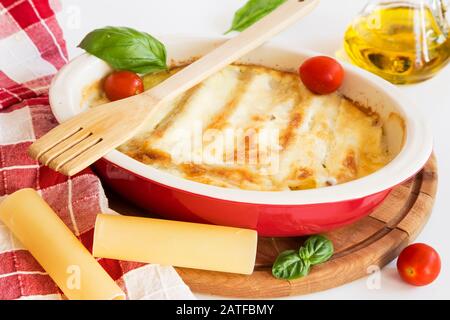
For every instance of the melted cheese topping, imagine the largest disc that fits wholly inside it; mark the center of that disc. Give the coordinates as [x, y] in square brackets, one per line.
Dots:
[321, 141]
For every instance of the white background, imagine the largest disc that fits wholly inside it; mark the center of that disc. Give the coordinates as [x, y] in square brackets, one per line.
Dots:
[322, 31]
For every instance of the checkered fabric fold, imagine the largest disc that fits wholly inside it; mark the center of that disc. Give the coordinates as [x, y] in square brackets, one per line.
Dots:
[32, 49]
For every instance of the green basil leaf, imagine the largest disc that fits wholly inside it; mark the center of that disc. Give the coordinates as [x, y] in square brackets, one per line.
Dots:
[126, 49]
[251, 12]
[289, 265]
[316, 249]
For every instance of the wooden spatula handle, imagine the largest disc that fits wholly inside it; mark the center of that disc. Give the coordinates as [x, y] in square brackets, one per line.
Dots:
[233, 49]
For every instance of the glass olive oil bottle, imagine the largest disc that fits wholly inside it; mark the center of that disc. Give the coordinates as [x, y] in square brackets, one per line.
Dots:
[401, 41]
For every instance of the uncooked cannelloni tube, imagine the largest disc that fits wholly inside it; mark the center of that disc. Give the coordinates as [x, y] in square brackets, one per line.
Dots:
[181, 244]
[56, 248]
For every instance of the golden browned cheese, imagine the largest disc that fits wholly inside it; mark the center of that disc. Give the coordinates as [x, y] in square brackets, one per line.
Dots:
[320, 140]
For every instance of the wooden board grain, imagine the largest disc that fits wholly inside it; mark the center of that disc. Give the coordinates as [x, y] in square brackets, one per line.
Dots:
[372, 241]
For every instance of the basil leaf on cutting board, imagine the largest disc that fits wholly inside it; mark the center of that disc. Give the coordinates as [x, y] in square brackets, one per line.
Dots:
[293, 264]
[251, 12]
[126, 49]
[289, 265]
[316, 249]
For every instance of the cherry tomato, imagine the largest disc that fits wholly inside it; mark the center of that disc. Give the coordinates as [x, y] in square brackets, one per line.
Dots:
[122, 84]
[419, 264]
[321, 74]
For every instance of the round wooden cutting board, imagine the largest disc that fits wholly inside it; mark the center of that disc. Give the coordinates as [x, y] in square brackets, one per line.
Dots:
[372, 241]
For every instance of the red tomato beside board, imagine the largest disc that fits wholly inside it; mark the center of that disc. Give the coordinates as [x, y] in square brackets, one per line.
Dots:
[419, 264]
[122, 84]
[321, 74]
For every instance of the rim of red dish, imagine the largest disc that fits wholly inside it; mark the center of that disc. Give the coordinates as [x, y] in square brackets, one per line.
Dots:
[416, 150]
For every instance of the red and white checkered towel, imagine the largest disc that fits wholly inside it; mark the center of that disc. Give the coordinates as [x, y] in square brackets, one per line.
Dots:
[32, 49]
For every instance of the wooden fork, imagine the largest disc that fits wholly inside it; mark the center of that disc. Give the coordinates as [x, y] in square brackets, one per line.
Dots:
[80, 141]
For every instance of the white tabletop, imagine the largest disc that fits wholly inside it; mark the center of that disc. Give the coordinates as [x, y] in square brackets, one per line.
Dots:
[322, 31]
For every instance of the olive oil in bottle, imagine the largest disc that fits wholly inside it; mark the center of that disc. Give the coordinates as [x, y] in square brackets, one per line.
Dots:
[401, 41]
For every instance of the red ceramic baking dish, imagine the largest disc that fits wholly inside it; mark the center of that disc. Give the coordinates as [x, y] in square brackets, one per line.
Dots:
[283, 213]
